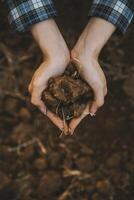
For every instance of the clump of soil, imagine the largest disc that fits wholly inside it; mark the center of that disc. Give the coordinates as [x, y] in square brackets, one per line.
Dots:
[67, 95]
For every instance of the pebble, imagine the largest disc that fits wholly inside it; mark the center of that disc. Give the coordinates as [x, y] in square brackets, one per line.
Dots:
[85, 164]
[11, 105]
[4, 180]
[130, 167]
[27, 153]
[55, 159]
[21, 132]
[40, 164]
[113, 161]
[50, 183]
[24, 113]
[103, 186]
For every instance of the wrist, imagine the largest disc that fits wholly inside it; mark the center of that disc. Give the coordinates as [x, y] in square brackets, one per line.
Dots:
[82, 53]
[93, 38]
[49, 38]
[58, 60]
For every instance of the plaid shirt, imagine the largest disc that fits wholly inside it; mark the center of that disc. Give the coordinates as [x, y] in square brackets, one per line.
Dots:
[24, 13]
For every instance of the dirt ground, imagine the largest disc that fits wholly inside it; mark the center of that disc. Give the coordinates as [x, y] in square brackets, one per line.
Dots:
[97, 163]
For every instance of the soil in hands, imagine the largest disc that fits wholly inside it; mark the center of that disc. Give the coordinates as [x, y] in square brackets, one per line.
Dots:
[67, 95]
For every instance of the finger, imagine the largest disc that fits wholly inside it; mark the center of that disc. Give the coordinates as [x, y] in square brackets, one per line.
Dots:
[57, 121]
[76, 121]
[105, 90]
[98, 100]
[36, 93]
[36, 99]
[30, 87]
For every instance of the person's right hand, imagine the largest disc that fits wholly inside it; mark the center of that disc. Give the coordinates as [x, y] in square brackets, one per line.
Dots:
[39, 81]
[56, 59]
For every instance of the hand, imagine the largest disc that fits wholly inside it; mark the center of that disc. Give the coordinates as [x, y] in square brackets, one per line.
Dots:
[92, 73]
[56, 59]
[85, 55]
[39, 82]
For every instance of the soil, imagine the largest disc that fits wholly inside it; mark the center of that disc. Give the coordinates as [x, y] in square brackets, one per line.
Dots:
[97, 162]
[67, 95]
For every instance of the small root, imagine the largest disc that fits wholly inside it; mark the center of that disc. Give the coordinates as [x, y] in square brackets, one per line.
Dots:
[64, 195]
[21, 145]
[79, 65]
[69, 172]
[76, 173]
[65, 129]
[15, 95]
[62, 132]
[57, 108]
[42, 147]
[28, 143]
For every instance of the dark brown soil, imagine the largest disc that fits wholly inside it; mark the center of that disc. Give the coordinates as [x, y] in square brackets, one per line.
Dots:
[97, 163]
[67, 95]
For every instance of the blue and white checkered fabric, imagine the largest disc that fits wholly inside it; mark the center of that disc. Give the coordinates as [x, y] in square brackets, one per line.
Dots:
[118, 12]
[24, 13]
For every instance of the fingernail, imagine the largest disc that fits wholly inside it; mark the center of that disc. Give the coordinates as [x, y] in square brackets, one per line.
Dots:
[71, 132]
[92, 114]
[43, 110]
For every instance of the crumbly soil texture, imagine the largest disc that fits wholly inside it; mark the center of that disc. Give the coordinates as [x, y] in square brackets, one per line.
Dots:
[97, 162]
[67, 95]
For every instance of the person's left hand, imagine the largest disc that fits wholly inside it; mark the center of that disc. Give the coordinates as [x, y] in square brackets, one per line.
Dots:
[92, 73]
[85, 55]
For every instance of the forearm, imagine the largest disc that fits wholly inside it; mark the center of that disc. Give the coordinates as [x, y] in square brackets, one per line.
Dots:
[117, 12]
[22, 14]
[93, 38]
[49, 39]
[98, 31]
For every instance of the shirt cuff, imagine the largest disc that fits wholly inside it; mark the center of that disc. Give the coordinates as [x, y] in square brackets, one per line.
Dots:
[116, 12]
[23, 14]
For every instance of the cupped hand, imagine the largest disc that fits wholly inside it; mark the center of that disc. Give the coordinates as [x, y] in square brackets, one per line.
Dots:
[92, 73]
[49, 68]
[56, 59]
[85, 55]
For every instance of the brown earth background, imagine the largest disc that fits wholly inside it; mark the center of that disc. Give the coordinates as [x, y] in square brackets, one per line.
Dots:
[97, 163]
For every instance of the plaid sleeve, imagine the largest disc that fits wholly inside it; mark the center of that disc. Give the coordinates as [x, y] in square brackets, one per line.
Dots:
[118, 12]
[24, 13]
